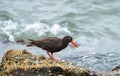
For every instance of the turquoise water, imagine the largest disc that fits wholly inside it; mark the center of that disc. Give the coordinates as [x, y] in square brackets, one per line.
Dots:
[93, 24]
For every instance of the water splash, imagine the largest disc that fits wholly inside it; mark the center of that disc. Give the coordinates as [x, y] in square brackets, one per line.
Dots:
[13, 31]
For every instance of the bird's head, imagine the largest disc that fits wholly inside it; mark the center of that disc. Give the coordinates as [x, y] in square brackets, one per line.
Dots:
[70, 39]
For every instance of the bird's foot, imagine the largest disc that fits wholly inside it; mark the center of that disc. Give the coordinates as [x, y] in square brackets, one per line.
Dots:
[53, 59]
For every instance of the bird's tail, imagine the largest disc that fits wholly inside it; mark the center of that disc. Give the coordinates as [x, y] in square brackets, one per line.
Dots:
[31, 42]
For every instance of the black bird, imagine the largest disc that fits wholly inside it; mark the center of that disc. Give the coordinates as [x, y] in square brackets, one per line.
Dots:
[52, 44]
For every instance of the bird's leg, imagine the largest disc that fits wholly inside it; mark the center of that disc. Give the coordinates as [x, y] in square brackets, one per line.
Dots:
[49, 55]
[53, 59]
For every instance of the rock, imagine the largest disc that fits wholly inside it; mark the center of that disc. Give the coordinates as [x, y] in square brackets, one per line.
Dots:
[114, 72]
[110, 73]
[116, 68]
[23, 63]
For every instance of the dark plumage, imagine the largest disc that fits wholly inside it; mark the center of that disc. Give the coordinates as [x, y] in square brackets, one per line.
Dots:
[52, 44]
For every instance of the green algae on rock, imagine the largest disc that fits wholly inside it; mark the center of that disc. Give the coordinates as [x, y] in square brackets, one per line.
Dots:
[23, 63]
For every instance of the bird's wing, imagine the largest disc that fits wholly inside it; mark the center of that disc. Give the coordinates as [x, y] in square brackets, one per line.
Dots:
[53, 40]
[49, 43]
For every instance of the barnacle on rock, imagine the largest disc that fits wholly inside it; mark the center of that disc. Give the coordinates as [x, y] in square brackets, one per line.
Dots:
[21, 62]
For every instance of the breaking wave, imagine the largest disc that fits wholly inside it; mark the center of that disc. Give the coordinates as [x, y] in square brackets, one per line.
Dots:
[12, 31]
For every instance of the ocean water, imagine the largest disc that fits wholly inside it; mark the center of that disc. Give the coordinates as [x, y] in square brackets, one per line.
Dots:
[94, 26]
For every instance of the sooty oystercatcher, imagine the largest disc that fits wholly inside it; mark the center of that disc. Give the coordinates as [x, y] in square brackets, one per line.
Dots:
[52, 44]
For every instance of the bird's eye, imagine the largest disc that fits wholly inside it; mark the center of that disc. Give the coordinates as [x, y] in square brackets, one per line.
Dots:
[69, 39]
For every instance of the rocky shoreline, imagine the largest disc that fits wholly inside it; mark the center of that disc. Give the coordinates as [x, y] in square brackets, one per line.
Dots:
[23, 63]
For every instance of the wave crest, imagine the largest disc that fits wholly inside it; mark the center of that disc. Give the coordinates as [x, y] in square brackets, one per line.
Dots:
[12, 31]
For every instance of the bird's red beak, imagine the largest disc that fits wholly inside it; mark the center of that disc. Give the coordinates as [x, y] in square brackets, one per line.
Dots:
[74, 44]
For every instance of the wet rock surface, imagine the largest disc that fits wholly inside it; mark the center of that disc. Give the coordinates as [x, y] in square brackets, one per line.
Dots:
[113, 72]
[23, 63]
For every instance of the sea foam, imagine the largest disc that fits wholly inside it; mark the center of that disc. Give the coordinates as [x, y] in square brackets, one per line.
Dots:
[13, 31]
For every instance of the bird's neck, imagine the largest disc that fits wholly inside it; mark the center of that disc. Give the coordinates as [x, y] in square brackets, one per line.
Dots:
[65, 43]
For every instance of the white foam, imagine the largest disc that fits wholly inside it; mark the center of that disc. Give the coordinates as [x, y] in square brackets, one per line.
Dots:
[11, 38]
[42, 29]
[13, 30]
[56, 29]
[8, 28]
[39, 28]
